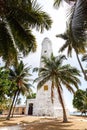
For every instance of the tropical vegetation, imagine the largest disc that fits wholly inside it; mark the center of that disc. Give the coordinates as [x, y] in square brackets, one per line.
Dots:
[4, 84]
[76, 33]
[31, 96]
[71, 45]
[17, 19]
[80, 100]
[21, 76]
[60, 76]
[78, 19]
[5, 104]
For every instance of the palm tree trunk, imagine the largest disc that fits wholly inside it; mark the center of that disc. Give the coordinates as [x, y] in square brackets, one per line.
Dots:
[81, 66]
[52, 91]
[62, 104]
[15, 102]
[8, 117]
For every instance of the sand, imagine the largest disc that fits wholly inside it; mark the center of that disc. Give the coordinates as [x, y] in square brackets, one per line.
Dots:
[46, 123]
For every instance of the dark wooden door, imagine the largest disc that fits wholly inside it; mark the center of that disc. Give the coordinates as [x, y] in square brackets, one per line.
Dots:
[30, 109]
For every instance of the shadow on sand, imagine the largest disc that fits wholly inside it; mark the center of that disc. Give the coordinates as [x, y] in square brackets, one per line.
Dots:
[48, 124]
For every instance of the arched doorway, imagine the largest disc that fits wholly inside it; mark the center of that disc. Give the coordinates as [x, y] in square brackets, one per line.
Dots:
[30, 109]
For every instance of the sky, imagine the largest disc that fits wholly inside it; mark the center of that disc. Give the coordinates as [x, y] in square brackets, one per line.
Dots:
[59, 26]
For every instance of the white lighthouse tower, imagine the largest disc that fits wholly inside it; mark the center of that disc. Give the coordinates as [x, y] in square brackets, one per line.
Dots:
[42, 105]
[46, 50]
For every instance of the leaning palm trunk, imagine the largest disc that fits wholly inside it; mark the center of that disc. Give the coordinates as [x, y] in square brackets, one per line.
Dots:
[8, 117]
[15, 102]
[62, 104]
[81, 66]
[52, 93]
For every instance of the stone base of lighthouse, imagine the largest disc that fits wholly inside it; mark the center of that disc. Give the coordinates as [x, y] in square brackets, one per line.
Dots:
[43, 106]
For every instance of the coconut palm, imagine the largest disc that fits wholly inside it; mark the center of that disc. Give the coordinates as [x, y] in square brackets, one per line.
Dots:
[59, 75]
[17, 19]
[20, 75]
[71, 44]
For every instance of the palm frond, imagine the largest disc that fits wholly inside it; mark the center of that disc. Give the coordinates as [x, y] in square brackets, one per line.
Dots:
[21, 76]
[69, 88]
[7, 48]
[57, 3]
[36, 69]
[84, 58]
[79, 22]
[24, 40]
[42, 82]
[63, 47]
[32, 16]
[63, 36]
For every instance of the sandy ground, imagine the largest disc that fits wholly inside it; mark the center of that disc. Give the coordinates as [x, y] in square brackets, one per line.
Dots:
[46, 123]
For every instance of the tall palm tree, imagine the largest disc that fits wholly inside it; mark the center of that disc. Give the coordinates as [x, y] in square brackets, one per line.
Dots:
[71, 44]
[59, 75]
[17, 19]
[20, 75]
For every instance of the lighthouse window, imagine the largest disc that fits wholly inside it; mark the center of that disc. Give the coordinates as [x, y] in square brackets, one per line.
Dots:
[45, 51]
[45, 87]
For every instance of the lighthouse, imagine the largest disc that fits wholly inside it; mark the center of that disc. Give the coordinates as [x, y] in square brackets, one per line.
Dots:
[46, 49]
[43, 105]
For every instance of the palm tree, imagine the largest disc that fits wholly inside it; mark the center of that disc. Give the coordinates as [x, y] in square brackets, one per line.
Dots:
[59, 75]
[20, 75]
[78, 19]
[71, 44]
[17, 19]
